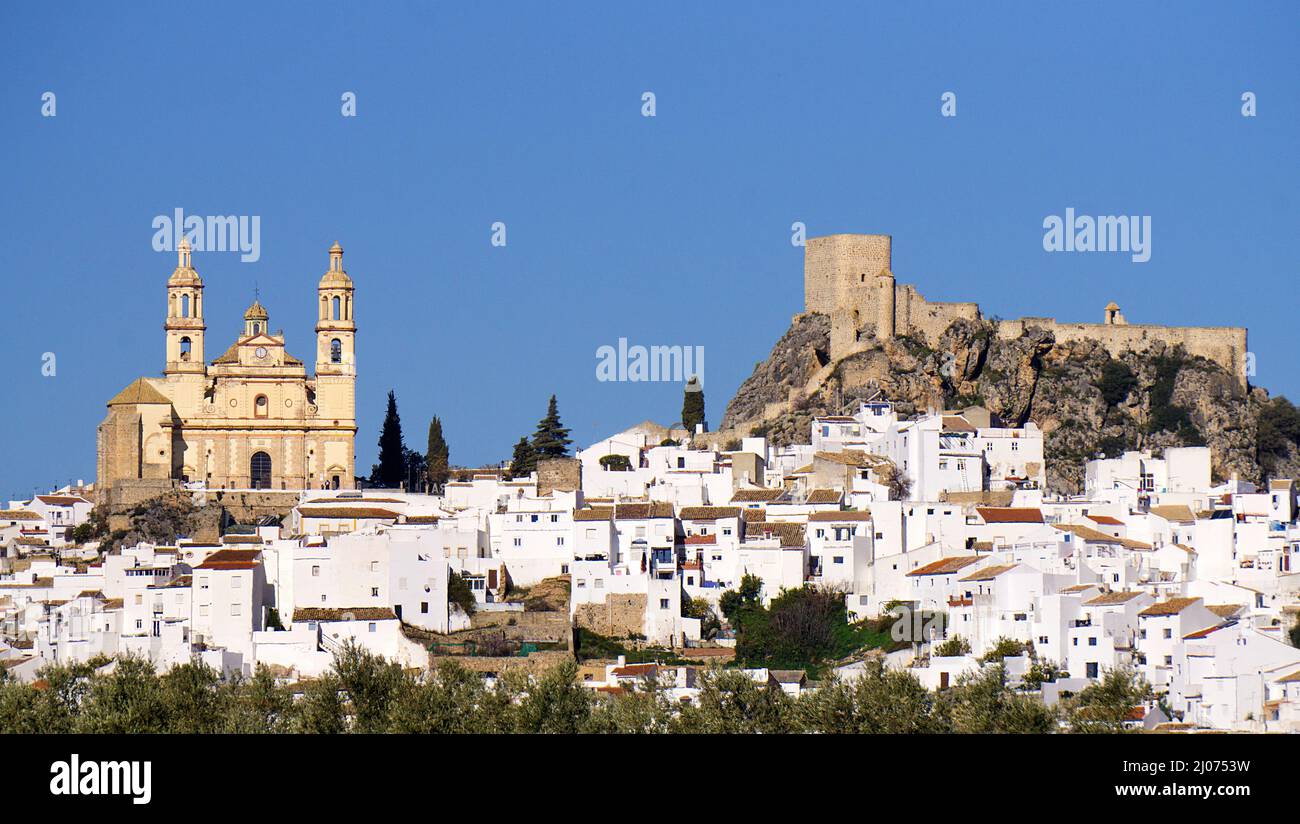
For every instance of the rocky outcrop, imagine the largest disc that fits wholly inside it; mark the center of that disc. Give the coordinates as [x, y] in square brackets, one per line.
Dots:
[1087, 401]
[800, 352]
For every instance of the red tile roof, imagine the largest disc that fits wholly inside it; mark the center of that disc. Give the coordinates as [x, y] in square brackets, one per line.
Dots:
[946, 566]
[1010, 514]
[231, 559]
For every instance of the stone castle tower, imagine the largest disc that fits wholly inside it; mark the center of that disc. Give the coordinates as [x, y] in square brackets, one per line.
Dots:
[850, 278]
[250, 419]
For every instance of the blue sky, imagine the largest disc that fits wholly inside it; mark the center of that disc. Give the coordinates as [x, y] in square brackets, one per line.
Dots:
[666, 230]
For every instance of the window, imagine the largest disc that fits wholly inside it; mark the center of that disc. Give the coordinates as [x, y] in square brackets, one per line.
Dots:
[591, 533]
[838, 559]
[424, 607]
[315, 572]
[1092, 642]
[519, 541]
[336, 351]
[559, 541]
[259, 470]
[203, 610]
[663, 603]
[1092, 669]
[372, 626]
[235, 581]
[139, 599]
[185, 348]
[1169, 659]
[260, 406]
[374, 566]
[374, 592]
[599, 583]
[235, 609]
[1168, 633]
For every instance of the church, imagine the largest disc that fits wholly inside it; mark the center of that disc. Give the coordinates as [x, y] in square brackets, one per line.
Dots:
[251, 418]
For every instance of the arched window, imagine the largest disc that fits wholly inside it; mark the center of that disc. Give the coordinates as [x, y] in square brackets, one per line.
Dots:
[336, 351]
[260, 406]
[259, 470]
[335, 310]
[185, 348]
[185, 306]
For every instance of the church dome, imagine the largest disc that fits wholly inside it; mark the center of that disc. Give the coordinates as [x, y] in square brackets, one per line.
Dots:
[256, 312]
[185, 274]
[336, 277]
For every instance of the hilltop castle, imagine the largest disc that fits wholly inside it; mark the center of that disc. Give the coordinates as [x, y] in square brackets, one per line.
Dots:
[849, 278]
[252, 418]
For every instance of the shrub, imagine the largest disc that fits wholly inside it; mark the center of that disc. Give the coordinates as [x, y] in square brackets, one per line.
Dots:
[1116, 382]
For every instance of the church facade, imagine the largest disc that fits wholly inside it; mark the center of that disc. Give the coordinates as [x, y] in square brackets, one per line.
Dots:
[252, 418]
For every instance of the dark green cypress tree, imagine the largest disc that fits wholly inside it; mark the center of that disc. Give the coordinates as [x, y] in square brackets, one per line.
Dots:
[391, 469]
[435, 460]
[524, 461]
[693, 404]
[551, 440]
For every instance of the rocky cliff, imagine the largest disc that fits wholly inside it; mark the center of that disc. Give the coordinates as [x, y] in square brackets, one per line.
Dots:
[1087, 402]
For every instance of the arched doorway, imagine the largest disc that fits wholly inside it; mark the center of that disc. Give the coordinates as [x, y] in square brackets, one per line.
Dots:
[259, 470]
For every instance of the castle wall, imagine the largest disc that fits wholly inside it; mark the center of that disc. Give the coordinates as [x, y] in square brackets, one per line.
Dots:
[1223, 345]
[918, 316]
[840, 281]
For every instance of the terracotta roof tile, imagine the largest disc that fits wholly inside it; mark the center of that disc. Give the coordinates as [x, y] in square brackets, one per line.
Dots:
[351, 512]
[1010, 514]
[1110, 599]
[946, 566]
[344, 614]
[231, 559]
[757, 495]
[989, 573]
[1171, 607]
[839, 516]
[708, 513]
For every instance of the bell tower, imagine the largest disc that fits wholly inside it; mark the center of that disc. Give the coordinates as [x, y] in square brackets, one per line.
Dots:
[335, 328]
[184, 326]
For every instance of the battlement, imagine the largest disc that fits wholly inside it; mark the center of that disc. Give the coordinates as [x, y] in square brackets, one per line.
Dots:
[850, 278]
